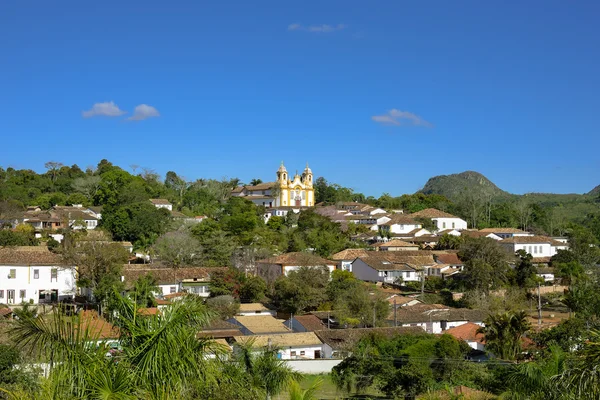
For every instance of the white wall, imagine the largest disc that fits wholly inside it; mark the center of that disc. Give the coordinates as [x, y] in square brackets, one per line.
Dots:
[289, 268]
[450, 223]
[398, 228]
[25, 279]
[321, 366]
[435, 327]
[309, 352]
[346, 265]
[535, 249]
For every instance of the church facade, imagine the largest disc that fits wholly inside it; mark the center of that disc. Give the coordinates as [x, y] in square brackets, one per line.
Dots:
[286, 191]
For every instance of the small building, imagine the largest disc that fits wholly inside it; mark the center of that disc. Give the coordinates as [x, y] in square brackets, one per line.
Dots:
[403, 301]
[162, 203]
[399, 224]
[469, 332]
[443, 220]
[194, 280]
[258, 325]
[345, 257]
[291, 346]
[505, 233]
[396, 245]
[255, 309]
[546, 273]
[33, 274]
[284, 264]
[537, 246]
[388, 266]
[99, 330]
[436, 320]
[339, 343]
[305, 323]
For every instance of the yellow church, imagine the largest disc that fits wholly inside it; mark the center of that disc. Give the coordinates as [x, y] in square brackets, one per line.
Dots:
[285, 192]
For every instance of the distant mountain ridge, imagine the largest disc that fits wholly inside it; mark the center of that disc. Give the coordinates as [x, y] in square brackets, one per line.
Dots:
[453, 186]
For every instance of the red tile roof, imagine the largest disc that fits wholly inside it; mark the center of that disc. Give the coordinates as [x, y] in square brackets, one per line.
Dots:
[468, 332]
[298, 259]
[310, 322]
[448, 258]
[432, 213]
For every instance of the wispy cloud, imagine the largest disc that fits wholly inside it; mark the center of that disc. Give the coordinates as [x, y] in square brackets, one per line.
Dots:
[144, 111]
[316, 28]
[107, 109]
[401, 118]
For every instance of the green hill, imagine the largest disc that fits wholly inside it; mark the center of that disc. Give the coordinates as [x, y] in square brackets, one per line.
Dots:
[595, 191]
[453, 186]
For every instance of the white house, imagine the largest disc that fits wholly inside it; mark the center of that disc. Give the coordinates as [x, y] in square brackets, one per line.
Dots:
[291, 346]
[288, 262]
[388, 266]
[280, 212]
[479, 234]
[372, 220]
[255, 309]
[170, 280]
[162, 203]
[505, 233]
[546, 273]
[32, 274]
[399, 224]
[345, 257]
[540, 247]
[469, 332]
[436, 320]
[442, 219]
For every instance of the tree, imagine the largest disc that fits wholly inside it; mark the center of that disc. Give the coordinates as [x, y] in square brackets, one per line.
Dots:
[449, 242]
[570, 272]
[156, 348]
[504, 333]
[255, 182]
[88, 186]
[583, 244]
[99, 265]
[267, 370]
[486, 263]
[253, 289]
[53, 167]
[225, 306]
[144, 290]
[525, 271]
[358, 307]
[177, 249]
[135, 222]
[302, 290]
[297, 393]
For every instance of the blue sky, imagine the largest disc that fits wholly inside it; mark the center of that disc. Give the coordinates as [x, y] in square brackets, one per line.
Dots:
[378, 96]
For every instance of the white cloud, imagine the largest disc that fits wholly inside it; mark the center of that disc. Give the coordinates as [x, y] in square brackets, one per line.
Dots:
[316, 28]
[400, 118]
[107, 109]
[144, 111]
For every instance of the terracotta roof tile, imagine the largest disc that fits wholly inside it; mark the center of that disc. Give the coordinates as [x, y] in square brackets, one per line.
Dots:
[432, 213]
[160, 202]
[349, 254]
[281, 340]
[297, 258]
[468, 332]
[29, 255]
[502, 230]
[395, 243]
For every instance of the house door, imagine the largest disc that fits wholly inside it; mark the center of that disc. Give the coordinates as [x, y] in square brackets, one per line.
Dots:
[317, 353]
[429, 327]
[10, 295]
[298, 202]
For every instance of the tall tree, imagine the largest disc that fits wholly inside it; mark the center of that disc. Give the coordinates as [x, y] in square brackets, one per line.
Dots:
[504, 334]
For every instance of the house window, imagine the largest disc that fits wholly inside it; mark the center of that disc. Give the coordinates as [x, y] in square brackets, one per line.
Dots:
[22, 294]
[535, 249]
[10, 295]
[1, 294]
[293, 354]
[12, 274]
[302, 352]
[53, 274]
[444, 225]
[529, 249]
[453, 225]
[36, 274]
[173, 289]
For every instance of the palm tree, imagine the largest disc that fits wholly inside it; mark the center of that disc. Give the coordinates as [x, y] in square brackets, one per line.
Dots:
[504, 333]
[161, 357]
[268, 371]
[255, 182]
[297, 393]
[582, 381]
